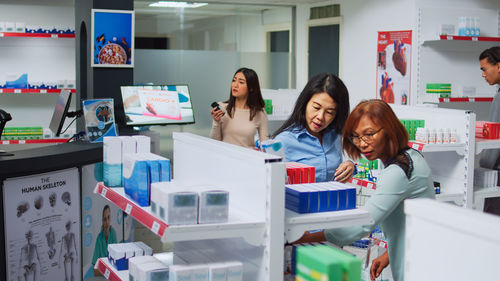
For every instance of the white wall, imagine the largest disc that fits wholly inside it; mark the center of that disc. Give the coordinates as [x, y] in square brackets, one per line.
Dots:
[362, 19]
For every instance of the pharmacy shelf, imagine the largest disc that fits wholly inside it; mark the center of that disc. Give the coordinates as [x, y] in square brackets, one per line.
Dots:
[238, 224]
[296, 224]
[458, 198]
[37, 35]
[467, 99]
[486, 144]
[33, 141]
[33, 91]
[459, 148]
[363, 183]
[487, 192]
[443, 38]
[278, 117]
[109, 271]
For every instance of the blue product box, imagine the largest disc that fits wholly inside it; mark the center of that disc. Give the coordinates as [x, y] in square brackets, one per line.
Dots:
[351, 198]
[322, 196]
[118, 255]
[296, 199]
[136, 178]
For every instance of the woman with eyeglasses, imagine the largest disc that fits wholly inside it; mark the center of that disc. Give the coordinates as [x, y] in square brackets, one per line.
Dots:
[373, 130]
[312, 133]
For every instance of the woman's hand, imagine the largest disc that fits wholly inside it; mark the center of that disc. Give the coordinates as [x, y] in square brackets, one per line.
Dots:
[216, 114]
[345, 171]
[378, 265]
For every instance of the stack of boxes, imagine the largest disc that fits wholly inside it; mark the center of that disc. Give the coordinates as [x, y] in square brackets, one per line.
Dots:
[298, 173]
[22, 133]
[444, 90]
[268, 106]
[326, 263]
[487, 130]
[367, 170]
[129, 163]
[320, 197]
[178, 204]
[119, 254]
[411, 126]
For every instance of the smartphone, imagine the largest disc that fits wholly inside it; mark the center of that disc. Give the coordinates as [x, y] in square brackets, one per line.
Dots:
[216, 105]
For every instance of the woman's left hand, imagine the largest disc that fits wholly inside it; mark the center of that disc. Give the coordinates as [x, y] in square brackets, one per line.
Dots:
[345, 171]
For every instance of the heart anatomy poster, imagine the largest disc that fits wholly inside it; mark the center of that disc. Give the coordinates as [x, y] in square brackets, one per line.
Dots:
[394, 66]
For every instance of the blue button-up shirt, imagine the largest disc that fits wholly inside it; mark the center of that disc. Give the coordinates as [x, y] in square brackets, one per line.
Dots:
[300, 146]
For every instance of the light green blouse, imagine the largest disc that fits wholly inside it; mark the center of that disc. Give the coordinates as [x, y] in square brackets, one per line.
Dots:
[386, 208]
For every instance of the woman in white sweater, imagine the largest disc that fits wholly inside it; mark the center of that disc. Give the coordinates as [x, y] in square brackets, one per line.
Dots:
[243, 114]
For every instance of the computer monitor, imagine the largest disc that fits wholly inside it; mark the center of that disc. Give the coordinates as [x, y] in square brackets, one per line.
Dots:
[157, 105]
[60, 112]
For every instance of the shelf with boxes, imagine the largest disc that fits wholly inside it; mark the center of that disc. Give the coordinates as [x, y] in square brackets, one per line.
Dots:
[237, 226]
[32, 91]
[467, 99]
[451, 164]
[37, 35]
[296, 224]
[444, 54]
[257, 218]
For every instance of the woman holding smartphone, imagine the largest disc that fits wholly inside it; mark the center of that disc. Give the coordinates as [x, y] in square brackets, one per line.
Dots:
[238, 119]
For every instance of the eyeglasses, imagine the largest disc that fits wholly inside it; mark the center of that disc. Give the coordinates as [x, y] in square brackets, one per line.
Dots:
[367, 138]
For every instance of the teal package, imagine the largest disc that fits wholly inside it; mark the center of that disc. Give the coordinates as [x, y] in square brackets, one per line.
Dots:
[112, 174]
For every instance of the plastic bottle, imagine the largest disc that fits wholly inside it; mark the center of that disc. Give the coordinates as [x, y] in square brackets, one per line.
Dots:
[425, 137]
[461, 26]
[439, 136]
[432, 136]
[454, 136]
[446, 135]
[477, 26]
[468, 26]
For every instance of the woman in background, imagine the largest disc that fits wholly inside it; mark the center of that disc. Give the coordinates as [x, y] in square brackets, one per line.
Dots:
[373, 130]
[312, 133]
[243, 114]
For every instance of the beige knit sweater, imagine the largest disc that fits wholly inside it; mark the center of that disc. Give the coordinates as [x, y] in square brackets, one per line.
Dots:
[240, 130]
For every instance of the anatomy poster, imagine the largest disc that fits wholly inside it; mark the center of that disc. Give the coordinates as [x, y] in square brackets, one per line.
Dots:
[394, 66]
[42, 227]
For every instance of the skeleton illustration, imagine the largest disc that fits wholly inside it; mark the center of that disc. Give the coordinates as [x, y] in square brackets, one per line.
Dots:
[68, 243]
[27, 263]
[51, 242]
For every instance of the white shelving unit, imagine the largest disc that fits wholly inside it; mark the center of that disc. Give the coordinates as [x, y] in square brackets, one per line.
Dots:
[452, 164]
[258, 223]
[443, 232]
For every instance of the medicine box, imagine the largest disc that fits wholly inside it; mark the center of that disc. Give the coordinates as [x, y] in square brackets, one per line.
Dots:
[143, 143]
[118, 255]
[112, 161]
[213, 206]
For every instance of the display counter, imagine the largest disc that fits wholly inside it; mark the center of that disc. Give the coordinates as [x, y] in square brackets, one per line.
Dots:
[40, 213]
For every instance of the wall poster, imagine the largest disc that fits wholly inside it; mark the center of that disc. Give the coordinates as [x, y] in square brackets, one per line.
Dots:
[394, 66]
[112, 38]
[42, 227]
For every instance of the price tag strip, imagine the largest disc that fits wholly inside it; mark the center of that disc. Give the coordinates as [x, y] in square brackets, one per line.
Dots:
[142, 215]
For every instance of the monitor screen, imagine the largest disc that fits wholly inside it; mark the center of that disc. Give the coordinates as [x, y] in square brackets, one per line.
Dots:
[157, 105]
[60, 111]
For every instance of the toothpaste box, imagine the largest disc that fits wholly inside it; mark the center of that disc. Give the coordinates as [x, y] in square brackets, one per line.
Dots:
[234, 271]
[217, 272]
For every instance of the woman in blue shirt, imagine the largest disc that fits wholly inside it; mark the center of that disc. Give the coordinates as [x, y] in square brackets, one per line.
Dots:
[312, 133]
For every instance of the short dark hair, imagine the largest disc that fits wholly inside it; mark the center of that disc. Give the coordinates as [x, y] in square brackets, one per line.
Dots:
[492, 55]
[255, 101]
[380, 113]
[321, 83]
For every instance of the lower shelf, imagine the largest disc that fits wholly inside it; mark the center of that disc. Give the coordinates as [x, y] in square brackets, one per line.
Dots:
[458, 198]
[296, 224]
[238, 225]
